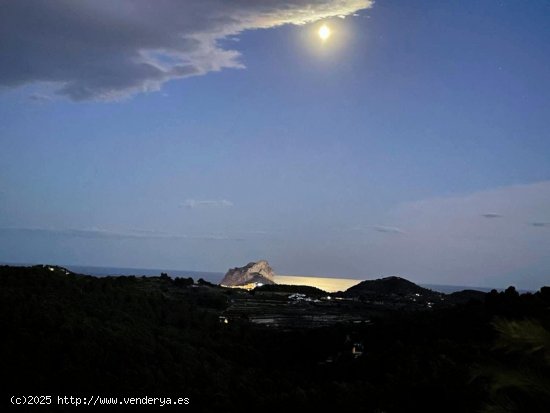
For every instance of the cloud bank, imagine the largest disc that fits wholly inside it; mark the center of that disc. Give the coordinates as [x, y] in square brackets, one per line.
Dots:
[38, 97]
[388, 230]
[193, 203]
[540, 224]
[106, 234]
[452, 236]
[491, 215]
[105, 50]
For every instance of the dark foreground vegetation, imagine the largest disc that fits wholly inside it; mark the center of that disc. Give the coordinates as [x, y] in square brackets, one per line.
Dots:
[68, 334]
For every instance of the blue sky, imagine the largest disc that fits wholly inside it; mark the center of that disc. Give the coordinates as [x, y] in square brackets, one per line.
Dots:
[414, 141]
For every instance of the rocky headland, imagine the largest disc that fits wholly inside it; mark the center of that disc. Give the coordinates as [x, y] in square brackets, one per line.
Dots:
[253, 273]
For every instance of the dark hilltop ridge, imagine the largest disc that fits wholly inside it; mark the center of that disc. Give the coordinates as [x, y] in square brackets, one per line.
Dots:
[387, 285]
[377, 347]
[465, 296]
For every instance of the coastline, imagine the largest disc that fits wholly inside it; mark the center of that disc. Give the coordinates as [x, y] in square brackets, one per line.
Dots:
[327, 284]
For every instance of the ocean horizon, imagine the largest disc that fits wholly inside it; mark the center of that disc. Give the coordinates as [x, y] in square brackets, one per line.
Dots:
[328, 284]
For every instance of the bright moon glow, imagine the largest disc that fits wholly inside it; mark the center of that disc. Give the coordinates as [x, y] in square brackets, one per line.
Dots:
[324, 32]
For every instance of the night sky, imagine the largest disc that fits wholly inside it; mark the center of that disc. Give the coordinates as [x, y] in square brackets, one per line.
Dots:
[204, 134]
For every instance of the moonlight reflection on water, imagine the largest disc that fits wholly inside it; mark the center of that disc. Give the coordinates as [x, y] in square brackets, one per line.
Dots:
[324, 283]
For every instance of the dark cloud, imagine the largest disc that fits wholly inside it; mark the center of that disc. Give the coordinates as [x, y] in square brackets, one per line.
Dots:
[104, 49]
[490, 215]
[540, 224]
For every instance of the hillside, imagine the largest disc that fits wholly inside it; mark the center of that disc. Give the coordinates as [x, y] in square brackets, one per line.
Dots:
[65, 333]
[292, 289]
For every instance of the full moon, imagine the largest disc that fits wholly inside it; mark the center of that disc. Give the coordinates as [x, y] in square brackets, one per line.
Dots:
[324, 32]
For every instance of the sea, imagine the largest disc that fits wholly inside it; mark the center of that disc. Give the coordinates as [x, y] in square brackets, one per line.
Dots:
[328, 284]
